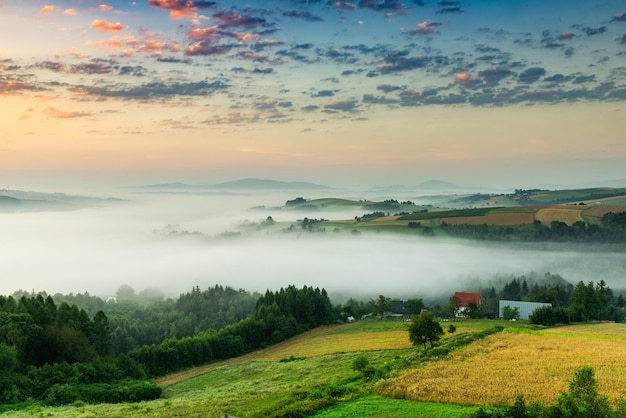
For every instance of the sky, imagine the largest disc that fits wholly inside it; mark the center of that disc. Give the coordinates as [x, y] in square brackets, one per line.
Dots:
[497, 93]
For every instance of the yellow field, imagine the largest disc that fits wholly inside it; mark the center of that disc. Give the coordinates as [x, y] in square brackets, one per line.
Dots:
[602, 330]
[567, 214]
[495, 370]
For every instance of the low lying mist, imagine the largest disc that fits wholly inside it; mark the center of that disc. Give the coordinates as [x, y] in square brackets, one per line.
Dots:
[99, 249]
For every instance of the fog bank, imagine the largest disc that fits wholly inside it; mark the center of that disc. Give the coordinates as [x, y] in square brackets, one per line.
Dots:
[97, 250]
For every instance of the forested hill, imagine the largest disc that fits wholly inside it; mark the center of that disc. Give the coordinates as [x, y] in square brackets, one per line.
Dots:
[57, 353]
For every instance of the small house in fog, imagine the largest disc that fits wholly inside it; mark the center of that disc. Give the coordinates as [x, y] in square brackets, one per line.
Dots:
[526, 309]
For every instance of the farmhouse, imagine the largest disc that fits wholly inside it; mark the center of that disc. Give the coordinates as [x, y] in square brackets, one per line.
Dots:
[398, 307]
[525, 308]
[464, 299]
[399, 310]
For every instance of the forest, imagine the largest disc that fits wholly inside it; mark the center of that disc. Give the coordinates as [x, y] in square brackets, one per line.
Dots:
[57, 353]
[62, 348]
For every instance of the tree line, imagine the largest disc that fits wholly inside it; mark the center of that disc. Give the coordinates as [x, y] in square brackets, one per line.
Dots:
[582, 302]
[277, 316]
[49, 351]
[610, 229]
[145, 318]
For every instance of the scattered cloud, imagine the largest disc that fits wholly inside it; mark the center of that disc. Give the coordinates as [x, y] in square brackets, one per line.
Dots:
[206, 48]
[619, 17]
[181, 8]
[345, 105]
[425, 28]
[400, 62]
[530, 75]
[107, 26]
[383, 5]
[230, 18]
[59, 114]
[251, 52]
[304, 15]
[155, 90]
[46, 9]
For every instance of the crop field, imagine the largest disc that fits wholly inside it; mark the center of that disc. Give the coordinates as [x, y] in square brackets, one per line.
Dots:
[497, 216]
[537, 365]
[578, 194]
[606, 330]
[515, 218]
[567, 214]
[598, 211]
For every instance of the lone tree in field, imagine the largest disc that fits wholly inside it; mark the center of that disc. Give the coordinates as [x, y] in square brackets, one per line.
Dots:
[424, 329]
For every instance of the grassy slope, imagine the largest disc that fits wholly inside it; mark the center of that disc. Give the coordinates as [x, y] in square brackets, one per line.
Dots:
[253, 384]
[258, 383]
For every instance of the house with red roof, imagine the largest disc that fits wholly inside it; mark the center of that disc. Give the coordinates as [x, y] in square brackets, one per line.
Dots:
[463, 299]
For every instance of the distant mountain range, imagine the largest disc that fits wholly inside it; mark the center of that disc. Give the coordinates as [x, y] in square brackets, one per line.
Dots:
[244, 184]
[28, 201]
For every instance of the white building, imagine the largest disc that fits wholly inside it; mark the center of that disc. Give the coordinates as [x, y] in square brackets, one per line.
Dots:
[525, 308]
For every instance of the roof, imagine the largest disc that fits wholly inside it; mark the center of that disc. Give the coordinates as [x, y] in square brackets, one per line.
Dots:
[465, 298]
[398, 306]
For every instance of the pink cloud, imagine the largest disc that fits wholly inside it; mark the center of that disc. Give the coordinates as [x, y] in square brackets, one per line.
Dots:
[178, 8]
[107, 26]
[46, 9]
[204, 33]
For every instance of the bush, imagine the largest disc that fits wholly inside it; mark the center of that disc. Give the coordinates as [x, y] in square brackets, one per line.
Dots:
[362, 364]
[135, 391]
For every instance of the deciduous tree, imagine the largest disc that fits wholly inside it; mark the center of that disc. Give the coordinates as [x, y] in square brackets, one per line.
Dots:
[424, 329]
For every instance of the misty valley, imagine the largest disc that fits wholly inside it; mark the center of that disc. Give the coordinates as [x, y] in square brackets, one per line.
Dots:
[126, 300]
[328, 209]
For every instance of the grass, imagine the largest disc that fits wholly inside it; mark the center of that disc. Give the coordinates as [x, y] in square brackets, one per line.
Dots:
[381, 407]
